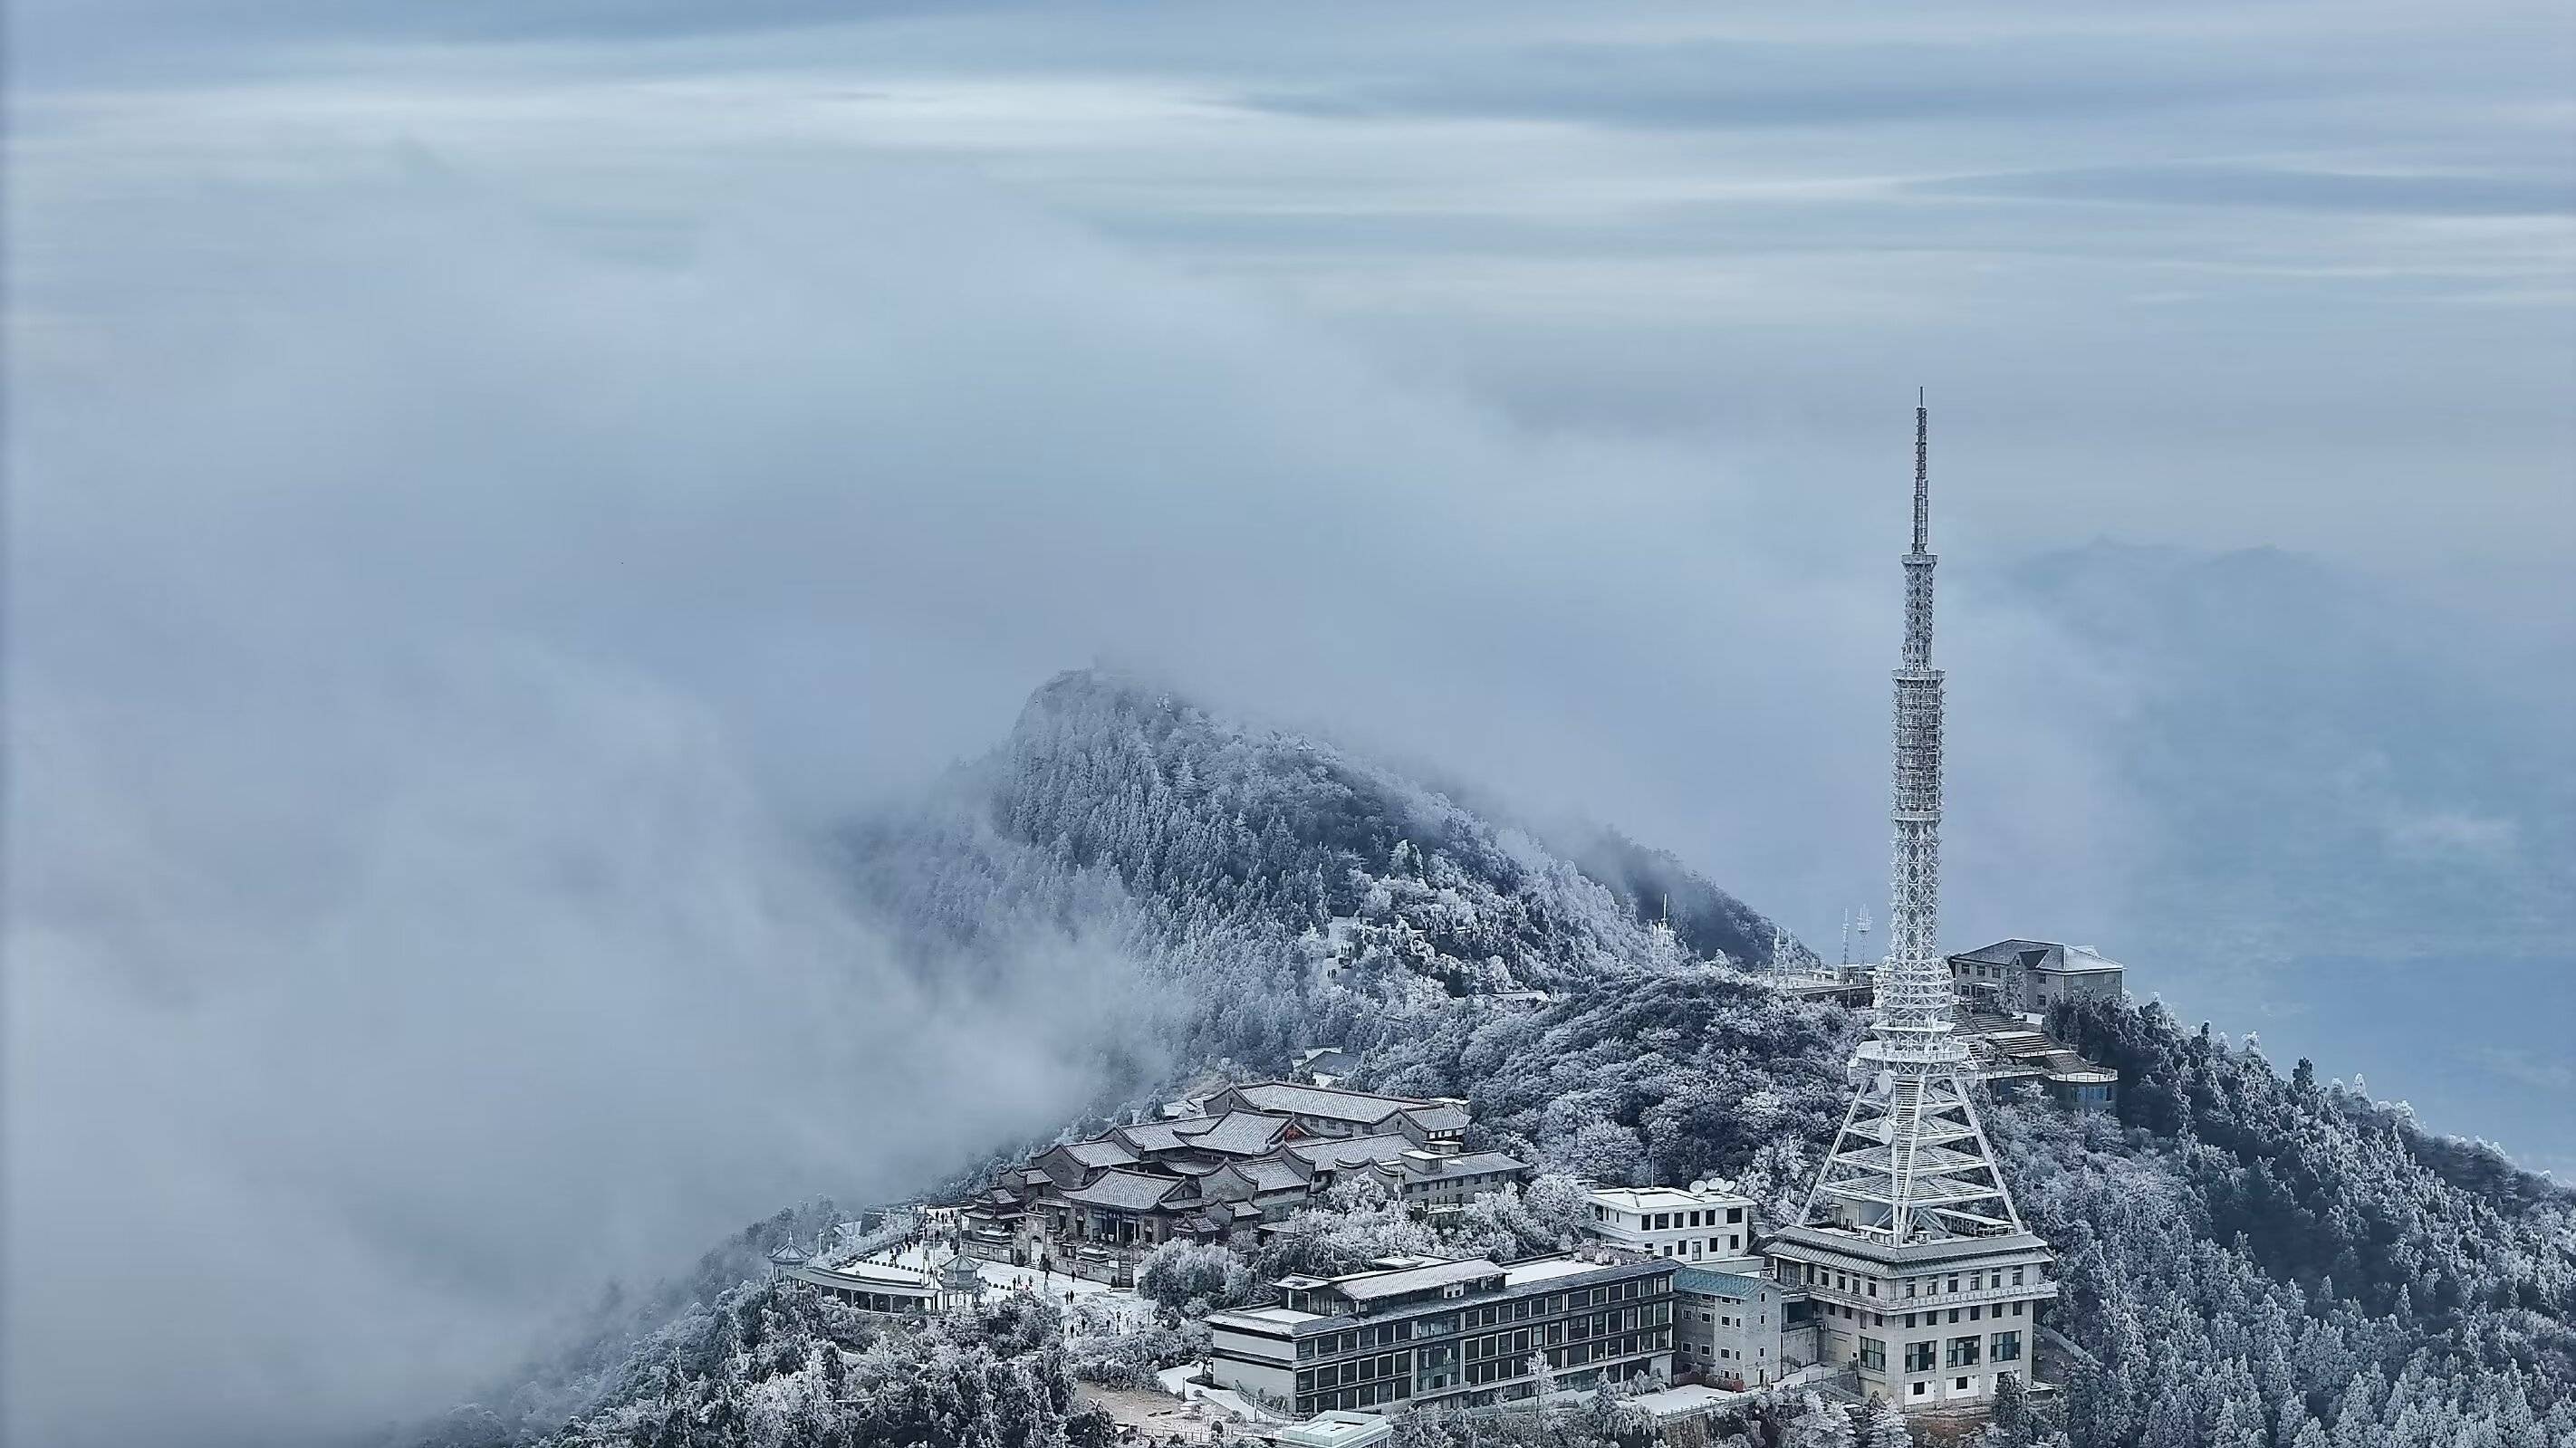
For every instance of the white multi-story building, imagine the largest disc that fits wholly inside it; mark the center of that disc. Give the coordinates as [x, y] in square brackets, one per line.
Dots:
[1727, 1328]
[1697, 1224]
[2026, 977]
[1421, 1332]
[1927, 1323]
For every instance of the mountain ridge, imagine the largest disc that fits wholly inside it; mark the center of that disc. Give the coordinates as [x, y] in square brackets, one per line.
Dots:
[1270, 891]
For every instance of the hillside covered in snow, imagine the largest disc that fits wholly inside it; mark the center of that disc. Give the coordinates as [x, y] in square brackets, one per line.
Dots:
[1299, 887]
[2252, 1258]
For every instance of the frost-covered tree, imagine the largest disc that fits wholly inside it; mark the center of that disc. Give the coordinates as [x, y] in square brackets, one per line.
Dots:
[1192, 1278]
[1820, 1424]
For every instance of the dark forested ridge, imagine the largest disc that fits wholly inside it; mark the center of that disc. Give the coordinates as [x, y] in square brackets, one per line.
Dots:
[2250, 1258]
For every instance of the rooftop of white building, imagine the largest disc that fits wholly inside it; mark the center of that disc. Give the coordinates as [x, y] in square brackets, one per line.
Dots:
[1665, 1199]
[1721, 1284]
[2041, 955]
[876, 1276]
[1399, 1277]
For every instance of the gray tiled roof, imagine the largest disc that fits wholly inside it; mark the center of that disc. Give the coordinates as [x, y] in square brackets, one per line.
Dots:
[1125, 1191]
[1414, 1279]
[1443, 1119]
[2039, 955]
[1354, 1106]
[1240, 1133]
[2011, 952]
[1152, 1136]
[1467, 1164]
[1272, 1174]
[1719, 1284]
[1100, 1152]
[1351, 1151]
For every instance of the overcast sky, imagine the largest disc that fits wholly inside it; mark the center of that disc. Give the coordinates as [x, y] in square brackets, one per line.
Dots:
[486, 477]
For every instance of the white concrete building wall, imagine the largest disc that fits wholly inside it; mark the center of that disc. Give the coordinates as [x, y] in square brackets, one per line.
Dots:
[1723, 1336]
[1930, 1358]
[1246, 1362]
[1703, 1227]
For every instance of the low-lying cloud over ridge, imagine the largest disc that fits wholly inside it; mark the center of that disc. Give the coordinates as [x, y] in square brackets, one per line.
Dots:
[436, 629]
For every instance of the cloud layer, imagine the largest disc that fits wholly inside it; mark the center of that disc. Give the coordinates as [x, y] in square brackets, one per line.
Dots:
[437, 626]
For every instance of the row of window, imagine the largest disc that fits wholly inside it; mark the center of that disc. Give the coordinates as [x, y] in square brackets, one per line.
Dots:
[1335, 1344]
[1958, 1386]
[1575, 1355]
[1666, 1221]
[1368, 1395]
[1454, 1189]
[1436, 1375]
[1674, 1249]
[1975, 1313]
[1521, 1309]
[1980, 1281]
[1357, 1370]
[1962, 1352]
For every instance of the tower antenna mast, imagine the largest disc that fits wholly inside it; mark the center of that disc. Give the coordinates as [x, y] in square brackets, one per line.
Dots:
[1912, 1162]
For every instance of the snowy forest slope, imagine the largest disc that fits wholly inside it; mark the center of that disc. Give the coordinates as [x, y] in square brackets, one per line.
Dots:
[2250, 1258]
[1300, 888]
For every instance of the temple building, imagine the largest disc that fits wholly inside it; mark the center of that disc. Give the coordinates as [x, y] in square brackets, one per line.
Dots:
[1241, 1159]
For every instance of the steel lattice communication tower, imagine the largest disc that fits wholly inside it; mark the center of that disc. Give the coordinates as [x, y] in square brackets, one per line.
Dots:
[1911, 1161]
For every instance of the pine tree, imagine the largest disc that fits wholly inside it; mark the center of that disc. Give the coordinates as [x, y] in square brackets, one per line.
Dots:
[1885, 1427]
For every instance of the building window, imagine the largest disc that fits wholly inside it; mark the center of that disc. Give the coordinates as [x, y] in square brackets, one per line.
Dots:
[1958, 1385]
[1963, 1351]
[2017, 1276]
[1909, 1291]
[2007, 1347]
[1918, 1357]
[1873, 1355]
[1920, 1389]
